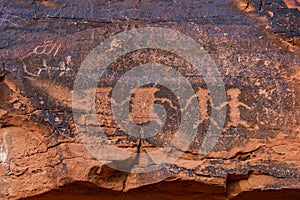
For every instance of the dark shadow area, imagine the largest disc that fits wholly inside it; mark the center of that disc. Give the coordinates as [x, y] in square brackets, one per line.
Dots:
[164, 190]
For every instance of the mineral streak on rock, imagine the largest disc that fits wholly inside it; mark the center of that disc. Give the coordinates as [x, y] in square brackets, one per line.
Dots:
[256, 47]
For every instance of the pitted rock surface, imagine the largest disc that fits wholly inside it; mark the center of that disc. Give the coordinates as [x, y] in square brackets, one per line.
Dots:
[256, 47]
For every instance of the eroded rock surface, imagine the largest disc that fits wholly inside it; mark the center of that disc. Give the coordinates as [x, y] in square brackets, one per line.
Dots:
[255, 46]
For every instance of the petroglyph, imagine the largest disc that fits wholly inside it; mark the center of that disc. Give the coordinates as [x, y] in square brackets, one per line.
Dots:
[142, 103]
[10, 19]
[234, 110]
[234, 113]
[115, 44]
[40, 69]
[3, 149]
[35, 62]
[47, 48]
[143, 100]
[203, 99]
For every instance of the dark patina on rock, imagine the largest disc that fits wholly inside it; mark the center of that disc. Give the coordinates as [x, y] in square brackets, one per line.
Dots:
[255, 45]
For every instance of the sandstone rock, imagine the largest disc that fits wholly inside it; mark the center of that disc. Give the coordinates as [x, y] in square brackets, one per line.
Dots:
[45, 155]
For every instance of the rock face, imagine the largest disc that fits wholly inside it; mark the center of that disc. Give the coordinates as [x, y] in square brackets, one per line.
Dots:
[44, 154]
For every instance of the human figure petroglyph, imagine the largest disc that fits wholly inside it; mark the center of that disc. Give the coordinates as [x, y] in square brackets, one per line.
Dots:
[142, 104]
[234, 112]
[144, 99]
[203, 100]
[235, 115]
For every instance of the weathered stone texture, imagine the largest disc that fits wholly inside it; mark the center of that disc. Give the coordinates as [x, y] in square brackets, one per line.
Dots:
[256, 47]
